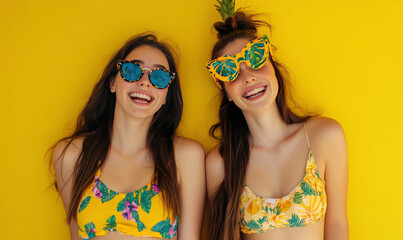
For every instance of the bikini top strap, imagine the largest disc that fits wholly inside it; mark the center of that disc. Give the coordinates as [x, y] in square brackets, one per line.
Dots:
[98, 173]
[306, 135]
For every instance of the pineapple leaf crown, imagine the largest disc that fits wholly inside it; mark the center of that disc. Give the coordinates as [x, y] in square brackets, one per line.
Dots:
[226, 8]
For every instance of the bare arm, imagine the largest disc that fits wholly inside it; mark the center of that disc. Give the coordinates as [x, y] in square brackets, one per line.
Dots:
[64, 166]
[214, 172]
[189, 157]
[334, 151]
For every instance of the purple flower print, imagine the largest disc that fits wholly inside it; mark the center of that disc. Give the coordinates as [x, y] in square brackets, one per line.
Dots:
[95, 189]
[172, 230]
[96, 181]
[155, 188]
[134, 206]
[98, 193]
[128, 209]
[127, 214]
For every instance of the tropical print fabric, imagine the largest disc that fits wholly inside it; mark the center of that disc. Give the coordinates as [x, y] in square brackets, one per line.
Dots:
[306, 204]
[139, 213]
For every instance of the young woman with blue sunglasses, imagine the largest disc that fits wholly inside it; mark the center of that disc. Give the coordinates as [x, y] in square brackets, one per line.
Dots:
[123, 173]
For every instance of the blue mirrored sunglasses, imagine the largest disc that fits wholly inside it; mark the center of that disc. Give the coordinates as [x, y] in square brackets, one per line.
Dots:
[132, 71]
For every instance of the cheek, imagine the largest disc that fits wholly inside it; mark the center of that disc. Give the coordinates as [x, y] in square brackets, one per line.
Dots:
[118, 78]
[231, 87]
[162, 94]
[120, 84]
[229, 90]
[267, 70]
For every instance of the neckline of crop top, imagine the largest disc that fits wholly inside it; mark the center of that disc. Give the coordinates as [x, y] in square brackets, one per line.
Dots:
[99, 174]
[304, 205]
[282, 199]
[138, 213]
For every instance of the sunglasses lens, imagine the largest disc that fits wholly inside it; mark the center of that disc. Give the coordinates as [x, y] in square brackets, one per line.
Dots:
[130, 71]
[160, 78]
[226, 69]
[256, 55]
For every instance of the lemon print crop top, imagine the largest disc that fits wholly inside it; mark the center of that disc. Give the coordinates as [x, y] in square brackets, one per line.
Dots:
[139, 213]
[304, 205]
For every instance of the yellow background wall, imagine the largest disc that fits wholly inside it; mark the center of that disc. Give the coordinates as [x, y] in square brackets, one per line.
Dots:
[346, 58]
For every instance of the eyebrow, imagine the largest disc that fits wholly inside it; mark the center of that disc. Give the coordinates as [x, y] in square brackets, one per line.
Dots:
[154, 65]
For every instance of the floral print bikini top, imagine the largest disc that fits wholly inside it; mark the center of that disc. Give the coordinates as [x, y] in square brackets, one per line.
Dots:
[304, 205]
[139, 213]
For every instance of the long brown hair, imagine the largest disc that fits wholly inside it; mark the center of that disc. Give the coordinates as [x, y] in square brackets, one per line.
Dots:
[234, 132]
[94, 125]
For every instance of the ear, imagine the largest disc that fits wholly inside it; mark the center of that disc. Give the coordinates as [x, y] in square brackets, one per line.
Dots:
[112, 85]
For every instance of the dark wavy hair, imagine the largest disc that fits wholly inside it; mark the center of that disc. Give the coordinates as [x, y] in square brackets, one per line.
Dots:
[233, 132]
[94, 125]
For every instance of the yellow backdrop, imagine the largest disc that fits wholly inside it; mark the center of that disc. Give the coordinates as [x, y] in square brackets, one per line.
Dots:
[346, 59]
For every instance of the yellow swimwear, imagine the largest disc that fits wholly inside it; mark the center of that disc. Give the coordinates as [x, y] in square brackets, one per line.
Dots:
[304, 205]
[139, 213]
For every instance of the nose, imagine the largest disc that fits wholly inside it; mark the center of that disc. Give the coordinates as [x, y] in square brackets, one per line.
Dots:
[145, 79]
[246, 73]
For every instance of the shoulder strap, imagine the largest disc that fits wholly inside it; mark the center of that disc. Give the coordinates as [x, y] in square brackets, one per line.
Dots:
[98, 172]
[306, 135]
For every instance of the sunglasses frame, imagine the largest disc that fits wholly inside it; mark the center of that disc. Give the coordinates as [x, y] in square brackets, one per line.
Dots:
[121, 62]
[238, 58]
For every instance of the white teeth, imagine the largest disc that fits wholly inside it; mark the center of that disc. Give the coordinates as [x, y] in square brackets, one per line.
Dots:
[254, 91]
[140, 95]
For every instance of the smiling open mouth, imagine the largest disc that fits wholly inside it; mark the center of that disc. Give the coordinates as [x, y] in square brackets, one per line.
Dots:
[255, 92]
[140, 97]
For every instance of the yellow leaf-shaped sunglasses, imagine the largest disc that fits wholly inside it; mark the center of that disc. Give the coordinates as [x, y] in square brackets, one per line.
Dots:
[254, 54]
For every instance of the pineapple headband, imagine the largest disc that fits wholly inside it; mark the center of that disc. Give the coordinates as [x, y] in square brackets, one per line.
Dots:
[226, 8]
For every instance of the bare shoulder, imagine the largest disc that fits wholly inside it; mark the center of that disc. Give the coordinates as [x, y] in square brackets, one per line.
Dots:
[215, 162]
[187, 150]
[327, 138]
[65, 156]
[67, 151]
[215, 171]
[189, 159]
[325, 129]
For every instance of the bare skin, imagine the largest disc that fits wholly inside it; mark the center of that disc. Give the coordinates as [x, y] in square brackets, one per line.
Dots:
[278, 154]
[128, 167]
